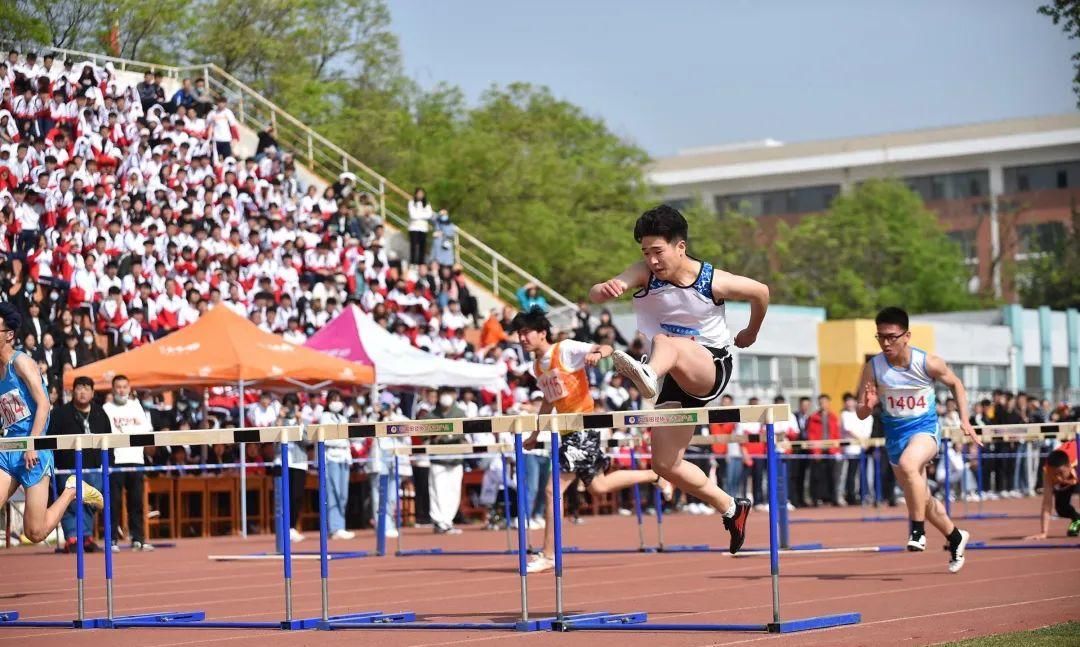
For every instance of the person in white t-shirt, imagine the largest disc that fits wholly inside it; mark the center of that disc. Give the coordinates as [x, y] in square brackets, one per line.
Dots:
[127, 416]
[338, 466]
[852, 428]
[223, 129]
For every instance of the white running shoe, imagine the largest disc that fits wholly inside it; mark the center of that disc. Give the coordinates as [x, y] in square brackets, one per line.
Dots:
[391, 533]
[142, 546]
[916, 544]
[295, 536]
[540, 564]
[343, 534]
[639, 373]
[956, 557]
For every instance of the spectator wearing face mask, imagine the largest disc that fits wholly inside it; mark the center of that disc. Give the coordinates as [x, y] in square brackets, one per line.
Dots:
[444, 480]
[338, 464]
[127, 416]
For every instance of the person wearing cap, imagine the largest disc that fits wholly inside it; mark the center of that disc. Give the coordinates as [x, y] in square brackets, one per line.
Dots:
[24, 412]
[80, 416]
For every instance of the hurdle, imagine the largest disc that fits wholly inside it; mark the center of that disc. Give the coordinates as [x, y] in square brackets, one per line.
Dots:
[638, 621]
[445, 450]
[516, 425]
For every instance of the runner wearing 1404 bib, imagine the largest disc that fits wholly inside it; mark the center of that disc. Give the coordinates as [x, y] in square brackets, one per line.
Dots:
[560, 372]
[24, 412]
[679, 302]
[902, 378]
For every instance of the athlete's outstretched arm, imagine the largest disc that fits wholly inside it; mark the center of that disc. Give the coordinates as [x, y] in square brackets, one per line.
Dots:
[631, 278]
[726, 285]
[1047, 506]
[940, 371]
[867, 393]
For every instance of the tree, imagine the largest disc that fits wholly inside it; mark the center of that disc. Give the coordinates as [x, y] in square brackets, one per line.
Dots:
[1067, 12]
[59, 23]
[731, 241]
[533, 176]
[876, 246]
[1053, 277]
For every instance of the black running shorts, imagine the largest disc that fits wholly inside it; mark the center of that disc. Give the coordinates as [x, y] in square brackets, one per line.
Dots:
[672, 392]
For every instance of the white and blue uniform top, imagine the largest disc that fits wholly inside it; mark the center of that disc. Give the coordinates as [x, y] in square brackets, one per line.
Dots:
[907, 397]
[688, 311]
[17, 406]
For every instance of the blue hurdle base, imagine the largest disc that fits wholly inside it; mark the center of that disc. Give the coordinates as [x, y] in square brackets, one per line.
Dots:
[354, 554]
[607, 551]
[11, 619]
[431, 552]
[638, 622]
[888, 518]
[705, 548]
[408, 621]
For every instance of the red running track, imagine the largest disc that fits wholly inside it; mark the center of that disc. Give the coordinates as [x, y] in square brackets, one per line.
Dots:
[904, 598]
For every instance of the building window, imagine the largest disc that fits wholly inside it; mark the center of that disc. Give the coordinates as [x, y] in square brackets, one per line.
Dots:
[1038, 238]
[755, 370]
[808, 199]
[794, 372]
[1040, 177]
[992, 377]
[682, 204]
[1033, 377]
[965, 240]
[950, 186]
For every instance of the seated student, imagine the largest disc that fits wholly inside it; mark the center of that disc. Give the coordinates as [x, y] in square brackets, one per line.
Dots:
[1059, 485]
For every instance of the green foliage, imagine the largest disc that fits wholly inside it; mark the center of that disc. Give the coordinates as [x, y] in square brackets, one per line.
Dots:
[1053, 277]
[877, 246]
[531, 175]
[1067, 12]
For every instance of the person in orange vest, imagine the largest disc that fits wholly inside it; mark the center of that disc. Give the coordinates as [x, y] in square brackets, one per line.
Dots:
[559, 369]
[1059, 485]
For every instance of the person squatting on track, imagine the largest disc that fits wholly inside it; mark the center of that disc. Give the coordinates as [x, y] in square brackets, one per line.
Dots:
[1059, 486]
[559, 370]
[24, 411]
[679, 302]
[901, 377]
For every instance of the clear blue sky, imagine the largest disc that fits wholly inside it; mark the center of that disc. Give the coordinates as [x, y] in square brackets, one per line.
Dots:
[683, 74]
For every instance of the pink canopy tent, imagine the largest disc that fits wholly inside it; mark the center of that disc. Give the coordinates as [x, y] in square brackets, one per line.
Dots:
[353, 335]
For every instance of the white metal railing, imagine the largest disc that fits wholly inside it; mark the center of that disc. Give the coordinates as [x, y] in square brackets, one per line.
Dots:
[484, 266]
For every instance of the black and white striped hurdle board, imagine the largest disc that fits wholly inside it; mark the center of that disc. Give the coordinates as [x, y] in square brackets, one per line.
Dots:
[155, 439]
[520, 424]
[570, 422]
[1029, 431]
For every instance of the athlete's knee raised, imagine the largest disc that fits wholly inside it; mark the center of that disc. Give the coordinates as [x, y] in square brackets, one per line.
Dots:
[665, 465]
[910, 467]
[35, 534]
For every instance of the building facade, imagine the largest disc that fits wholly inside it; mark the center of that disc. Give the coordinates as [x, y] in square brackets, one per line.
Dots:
[1002, 190]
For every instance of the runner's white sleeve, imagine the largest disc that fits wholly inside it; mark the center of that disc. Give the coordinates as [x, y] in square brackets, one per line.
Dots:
[572, 354]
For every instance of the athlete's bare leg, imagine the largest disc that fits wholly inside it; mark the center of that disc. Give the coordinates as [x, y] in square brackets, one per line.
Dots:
[668, 446]
[601, 484]
[8, 485]
[687, 362]
[911, 475]
[39, 518]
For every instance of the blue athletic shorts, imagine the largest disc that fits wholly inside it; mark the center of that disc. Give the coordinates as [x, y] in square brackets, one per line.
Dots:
[895, 444]
[13, 464]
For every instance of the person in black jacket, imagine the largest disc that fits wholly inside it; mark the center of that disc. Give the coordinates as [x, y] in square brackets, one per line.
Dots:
[80, 416]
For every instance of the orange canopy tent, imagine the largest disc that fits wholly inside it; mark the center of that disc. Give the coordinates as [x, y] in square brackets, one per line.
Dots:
[222, 348]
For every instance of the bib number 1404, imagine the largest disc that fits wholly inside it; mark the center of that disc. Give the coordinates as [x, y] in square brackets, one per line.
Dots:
[909, 402]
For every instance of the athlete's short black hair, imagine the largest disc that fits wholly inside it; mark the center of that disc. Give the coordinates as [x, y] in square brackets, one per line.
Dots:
[664, 221]
[9, 314]
[532, 319]
[1056, 459]
[892, 315]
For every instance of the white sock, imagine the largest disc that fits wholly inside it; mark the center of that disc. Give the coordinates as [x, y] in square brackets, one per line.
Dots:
[730, 512]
